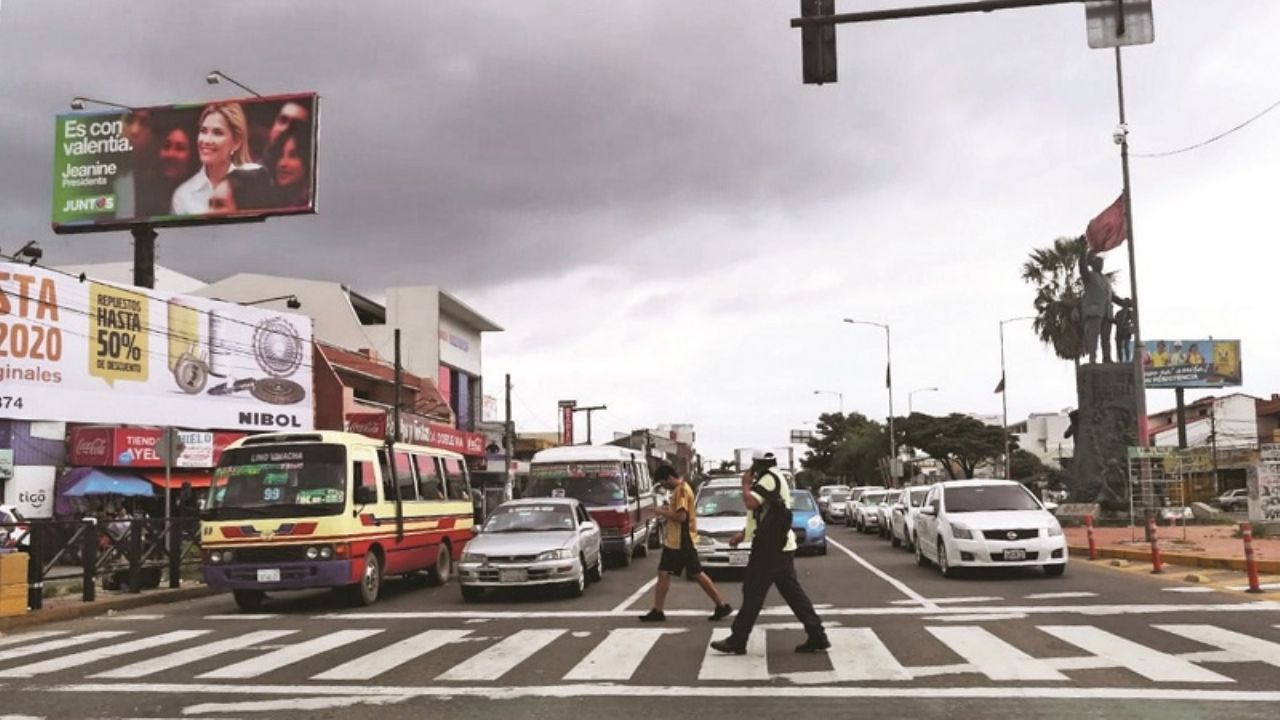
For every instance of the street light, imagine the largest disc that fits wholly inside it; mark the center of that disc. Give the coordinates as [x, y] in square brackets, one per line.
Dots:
[832, 392]
[77, 103]
[291, 301]
[913, 392]
[216, 76]
[1004, 395]
[888, 382]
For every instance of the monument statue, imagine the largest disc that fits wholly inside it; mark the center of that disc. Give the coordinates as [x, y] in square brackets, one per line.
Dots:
[1096, 307]
[1124, 330]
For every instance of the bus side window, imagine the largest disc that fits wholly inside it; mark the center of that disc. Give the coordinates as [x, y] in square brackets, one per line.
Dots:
[404, 476]
[388, 476]
[457, 479]
[365, 475]
[430, 484]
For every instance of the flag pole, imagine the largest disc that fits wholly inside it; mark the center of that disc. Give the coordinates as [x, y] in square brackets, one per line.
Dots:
[1140, 391]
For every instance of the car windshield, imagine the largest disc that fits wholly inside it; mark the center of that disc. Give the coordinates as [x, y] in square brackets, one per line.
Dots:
[589, 483]
[873, 498]
[917, 497]
[721, 502]
[839, 497]
[988, 498]
[279, 481]
[530, 518]
[803, 502]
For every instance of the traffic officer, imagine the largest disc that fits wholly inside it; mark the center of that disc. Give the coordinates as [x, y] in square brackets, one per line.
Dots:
[772, 560]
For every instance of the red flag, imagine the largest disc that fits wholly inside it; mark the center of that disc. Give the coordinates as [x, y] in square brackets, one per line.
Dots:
[1109, 229]
[1000, 387]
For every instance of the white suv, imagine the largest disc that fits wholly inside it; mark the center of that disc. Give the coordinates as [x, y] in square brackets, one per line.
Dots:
[971, 523]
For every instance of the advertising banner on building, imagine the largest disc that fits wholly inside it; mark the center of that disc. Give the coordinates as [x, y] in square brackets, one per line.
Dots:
[220, 161]
[30, 490]
[1264, 486]
[1192, 363]
[138, 447]
[417, 431]
[95, 352]
[566, 421]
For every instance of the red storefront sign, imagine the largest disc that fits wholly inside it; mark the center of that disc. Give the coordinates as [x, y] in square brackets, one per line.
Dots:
[416, 430]
[137, 447]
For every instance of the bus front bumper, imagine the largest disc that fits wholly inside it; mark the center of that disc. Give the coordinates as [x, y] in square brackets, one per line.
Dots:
[279, 576]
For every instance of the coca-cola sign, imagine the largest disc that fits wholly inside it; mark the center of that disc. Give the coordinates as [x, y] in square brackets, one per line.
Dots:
[373, 425]
[138, 447]
[92, 446]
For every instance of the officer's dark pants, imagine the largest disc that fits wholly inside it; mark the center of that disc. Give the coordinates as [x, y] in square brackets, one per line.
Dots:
[765, 570]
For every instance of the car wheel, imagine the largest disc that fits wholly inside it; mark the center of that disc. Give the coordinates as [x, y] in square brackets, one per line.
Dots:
[249, 600]
[894, 541]
[848, 521]
[1055, 570]
[596, 574]
[471, 594]
[921, 560]
[822, 549]
[944, 564]
[908, 542]
[370, 585]
[443, 570]
[575, 588]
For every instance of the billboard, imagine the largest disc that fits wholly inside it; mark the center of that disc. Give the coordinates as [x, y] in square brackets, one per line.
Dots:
[1192, 363]
[95, 352]
[221, 161]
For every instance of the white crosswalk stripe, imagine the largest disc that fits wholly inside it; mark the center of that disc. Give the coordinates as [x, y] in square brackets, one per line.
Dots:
[28, 637]
[287, 655]
[992, 656]
[64, 643]
[89, 657]
[857, 654]
[1247, 646]
[619, 655]
[752, 666]
[393, 656]
[496, 661]
[1149, 663]
[192, 655]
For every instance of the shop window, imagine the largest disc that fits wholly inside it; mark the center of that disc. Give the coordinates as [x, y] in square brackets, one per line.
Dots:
[456, 479]
[430, 482]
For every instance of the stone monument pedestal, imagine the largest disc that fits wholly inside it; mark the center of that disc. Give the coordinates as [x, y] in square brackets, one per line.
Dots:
[1105, 430]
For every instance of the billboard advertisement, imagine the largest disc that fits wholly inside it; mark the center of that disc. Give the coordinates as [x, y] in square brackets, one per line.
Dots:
[95, 352]
[1192, 363]
[220, 161]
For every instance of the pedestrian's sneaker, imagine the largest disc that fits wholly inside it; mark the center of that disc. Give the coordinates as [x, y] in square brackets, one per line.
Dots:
[721, 612]
[815, 644]
[729, 646]
[654, 616]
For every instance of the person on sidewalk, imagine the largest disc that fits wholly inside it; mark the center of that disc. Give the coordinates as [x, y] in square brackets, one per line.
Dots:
[772, 561]
[680, 548]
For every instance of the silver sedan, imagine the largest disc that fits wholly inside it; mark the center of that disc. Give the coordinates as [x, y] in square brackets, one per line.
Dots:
[532, 542]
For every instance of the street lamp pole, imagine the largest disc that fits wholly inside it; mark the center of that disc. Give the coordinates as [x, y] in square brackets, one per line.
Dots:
[1004, 396]
[910, 395]
[888, 381]
[832, 392]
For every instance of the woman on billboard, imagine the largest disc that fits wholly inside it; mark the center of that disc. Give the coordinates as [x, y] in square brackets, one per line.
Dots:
[222, 144]
[288, 160]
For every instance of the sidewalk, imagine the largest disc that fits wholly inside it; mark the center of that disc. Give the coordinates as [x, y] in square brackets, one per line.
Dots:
[1209, 546]
[68, 607]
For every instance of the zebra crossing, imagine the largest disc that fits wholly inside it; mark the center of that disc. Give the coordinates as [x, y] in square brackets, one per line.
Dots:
[478, 655]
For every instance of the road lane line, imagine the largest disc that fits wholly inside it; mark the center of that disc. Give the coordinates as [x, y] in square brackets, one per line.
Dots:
[1189, 589]
[620, 654]
[288, 655]
[983, 617]
[753, 666]
[993, 657]
[857, 655]
[1255, 649]
[62, 644]
[502, 658]
[625, 605]
[1149, 663]
[1060, 595]
[89, 657]
[895, 582]
[379, 661]
[191, 655]
[243, 616]
[137, 616]
[7, 640]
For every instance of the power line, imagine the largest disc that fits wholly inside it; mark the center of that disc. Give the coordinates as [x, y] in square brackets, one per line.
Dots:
[1211, 140]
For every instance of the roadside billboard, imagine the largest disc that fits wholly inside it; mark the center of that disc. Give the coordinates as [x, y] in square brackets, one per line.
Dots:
[221, 161]
[1192, 363]
[95, 352]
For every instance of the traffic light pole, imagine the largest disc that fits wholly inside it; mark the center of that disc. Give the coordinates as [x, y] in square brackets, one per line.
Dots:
[924, 11]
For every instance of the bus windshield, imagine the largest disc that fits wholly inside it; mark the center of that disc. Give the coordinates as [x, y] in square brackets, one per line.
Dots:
[279, 481]
[589, 483]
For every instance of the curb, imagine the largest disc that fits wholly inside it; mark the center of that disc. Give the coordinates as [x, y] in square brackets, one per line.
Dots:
[102, 607]
[1216, 563]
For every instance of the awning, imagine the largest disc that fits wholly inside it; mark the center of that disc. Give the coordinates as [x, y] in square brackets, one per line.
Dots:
[197, 479]
[98, 482]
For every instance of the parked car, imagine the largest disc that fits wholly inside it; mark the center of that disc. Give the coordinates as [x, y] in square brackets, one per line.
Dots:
[807, 524]
[837, 507]
[864, 508]
[721, 515]
[533, 542]
[824, 498]
[14, 532]
[884, 511]
[972, 523]
[902, 525]
[851, 503]
[1236, 500]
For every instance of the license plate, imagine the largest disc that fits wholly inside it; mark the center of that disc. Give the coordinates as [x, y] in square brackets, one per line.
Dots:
[272, 575]
[1015, 554]
[739, 558]
[513, 576]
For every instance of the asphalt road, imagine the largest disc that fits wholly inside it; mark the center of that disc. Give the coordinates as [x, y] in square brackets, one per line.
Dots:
[1098, 642]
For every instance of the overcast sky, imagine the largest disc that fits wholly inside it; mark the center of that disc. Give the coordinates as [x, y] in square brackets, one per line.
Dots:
[667, 221]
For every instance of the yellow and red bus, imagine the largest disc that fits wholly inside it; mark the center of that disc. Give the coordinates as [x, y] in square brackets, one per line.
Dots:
[290, 511]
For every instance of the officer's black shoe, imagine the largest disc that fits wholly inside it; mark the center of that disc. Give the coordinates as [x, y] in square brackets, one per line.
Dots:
[721, 612]
[815, 644]
[729, 646]
[654, 616]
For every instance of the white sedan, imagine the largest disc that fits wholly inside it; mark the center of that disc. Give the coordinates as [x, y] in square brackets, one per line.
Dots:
[902, 528]
[531, 542]
[987, 523]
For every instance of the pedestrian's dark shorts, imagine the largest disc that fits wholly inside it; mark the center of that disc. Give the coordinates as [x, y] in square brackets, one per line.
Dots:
[675, 561]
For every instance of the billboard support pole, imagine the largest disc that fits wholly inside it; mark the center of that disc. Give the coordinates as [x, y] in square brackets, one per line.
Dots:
[144, 256]
[1182, 417]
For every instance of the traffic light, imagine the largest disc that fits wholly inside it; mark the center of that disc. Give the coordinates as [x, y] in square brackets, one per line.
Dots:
[818, 43]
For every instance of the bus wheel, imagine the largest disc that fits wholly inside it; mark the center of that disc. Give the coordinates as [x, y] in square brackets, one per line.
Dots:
[249, 600]
[371, 581]
[443, 569]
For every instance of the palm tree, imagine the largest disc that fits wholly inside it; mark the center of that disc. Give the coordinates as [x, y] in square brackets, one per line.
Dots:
[1054, 271]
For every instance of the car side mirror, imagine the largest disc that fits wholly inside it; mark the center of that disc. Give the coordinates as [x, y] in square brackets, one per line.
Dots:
[366, 495]
[929, 510]
[586, 527]
[1051, 506]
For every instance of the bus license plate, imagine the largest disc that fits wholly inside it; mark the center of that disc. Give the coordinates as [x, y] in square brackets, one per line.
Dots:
[513, 576]
[272, 575]
[1015, 555]
[739, 558]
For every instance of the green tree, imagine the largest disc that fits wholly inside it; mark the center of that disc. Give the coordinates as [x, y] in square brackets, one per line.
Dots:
[960, 443]
[1025, 466]
[1055, 274]
[846, 447]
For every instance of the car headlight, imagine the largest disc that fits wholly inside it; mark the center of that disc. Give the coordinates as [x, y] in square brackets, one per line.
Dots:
[215, 556]
[815, 522]
[961, 532]
[313, 553]
[470, 557]
[326, 552]
[561, 554]
[1055, 530]
[704, 541]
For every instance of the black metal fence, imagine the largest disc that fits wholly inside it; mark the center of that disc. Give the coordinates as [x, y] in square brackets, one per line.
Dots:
[128, 554]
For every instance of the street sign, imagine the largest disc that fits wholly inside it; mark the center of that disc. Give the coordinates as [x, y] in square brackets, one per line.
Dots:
[800, 437]
[1114, 23]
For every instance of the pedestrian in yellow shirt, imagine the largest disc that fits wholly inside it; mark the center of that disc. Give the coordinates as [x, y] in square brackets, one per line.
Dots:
[680, 548]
